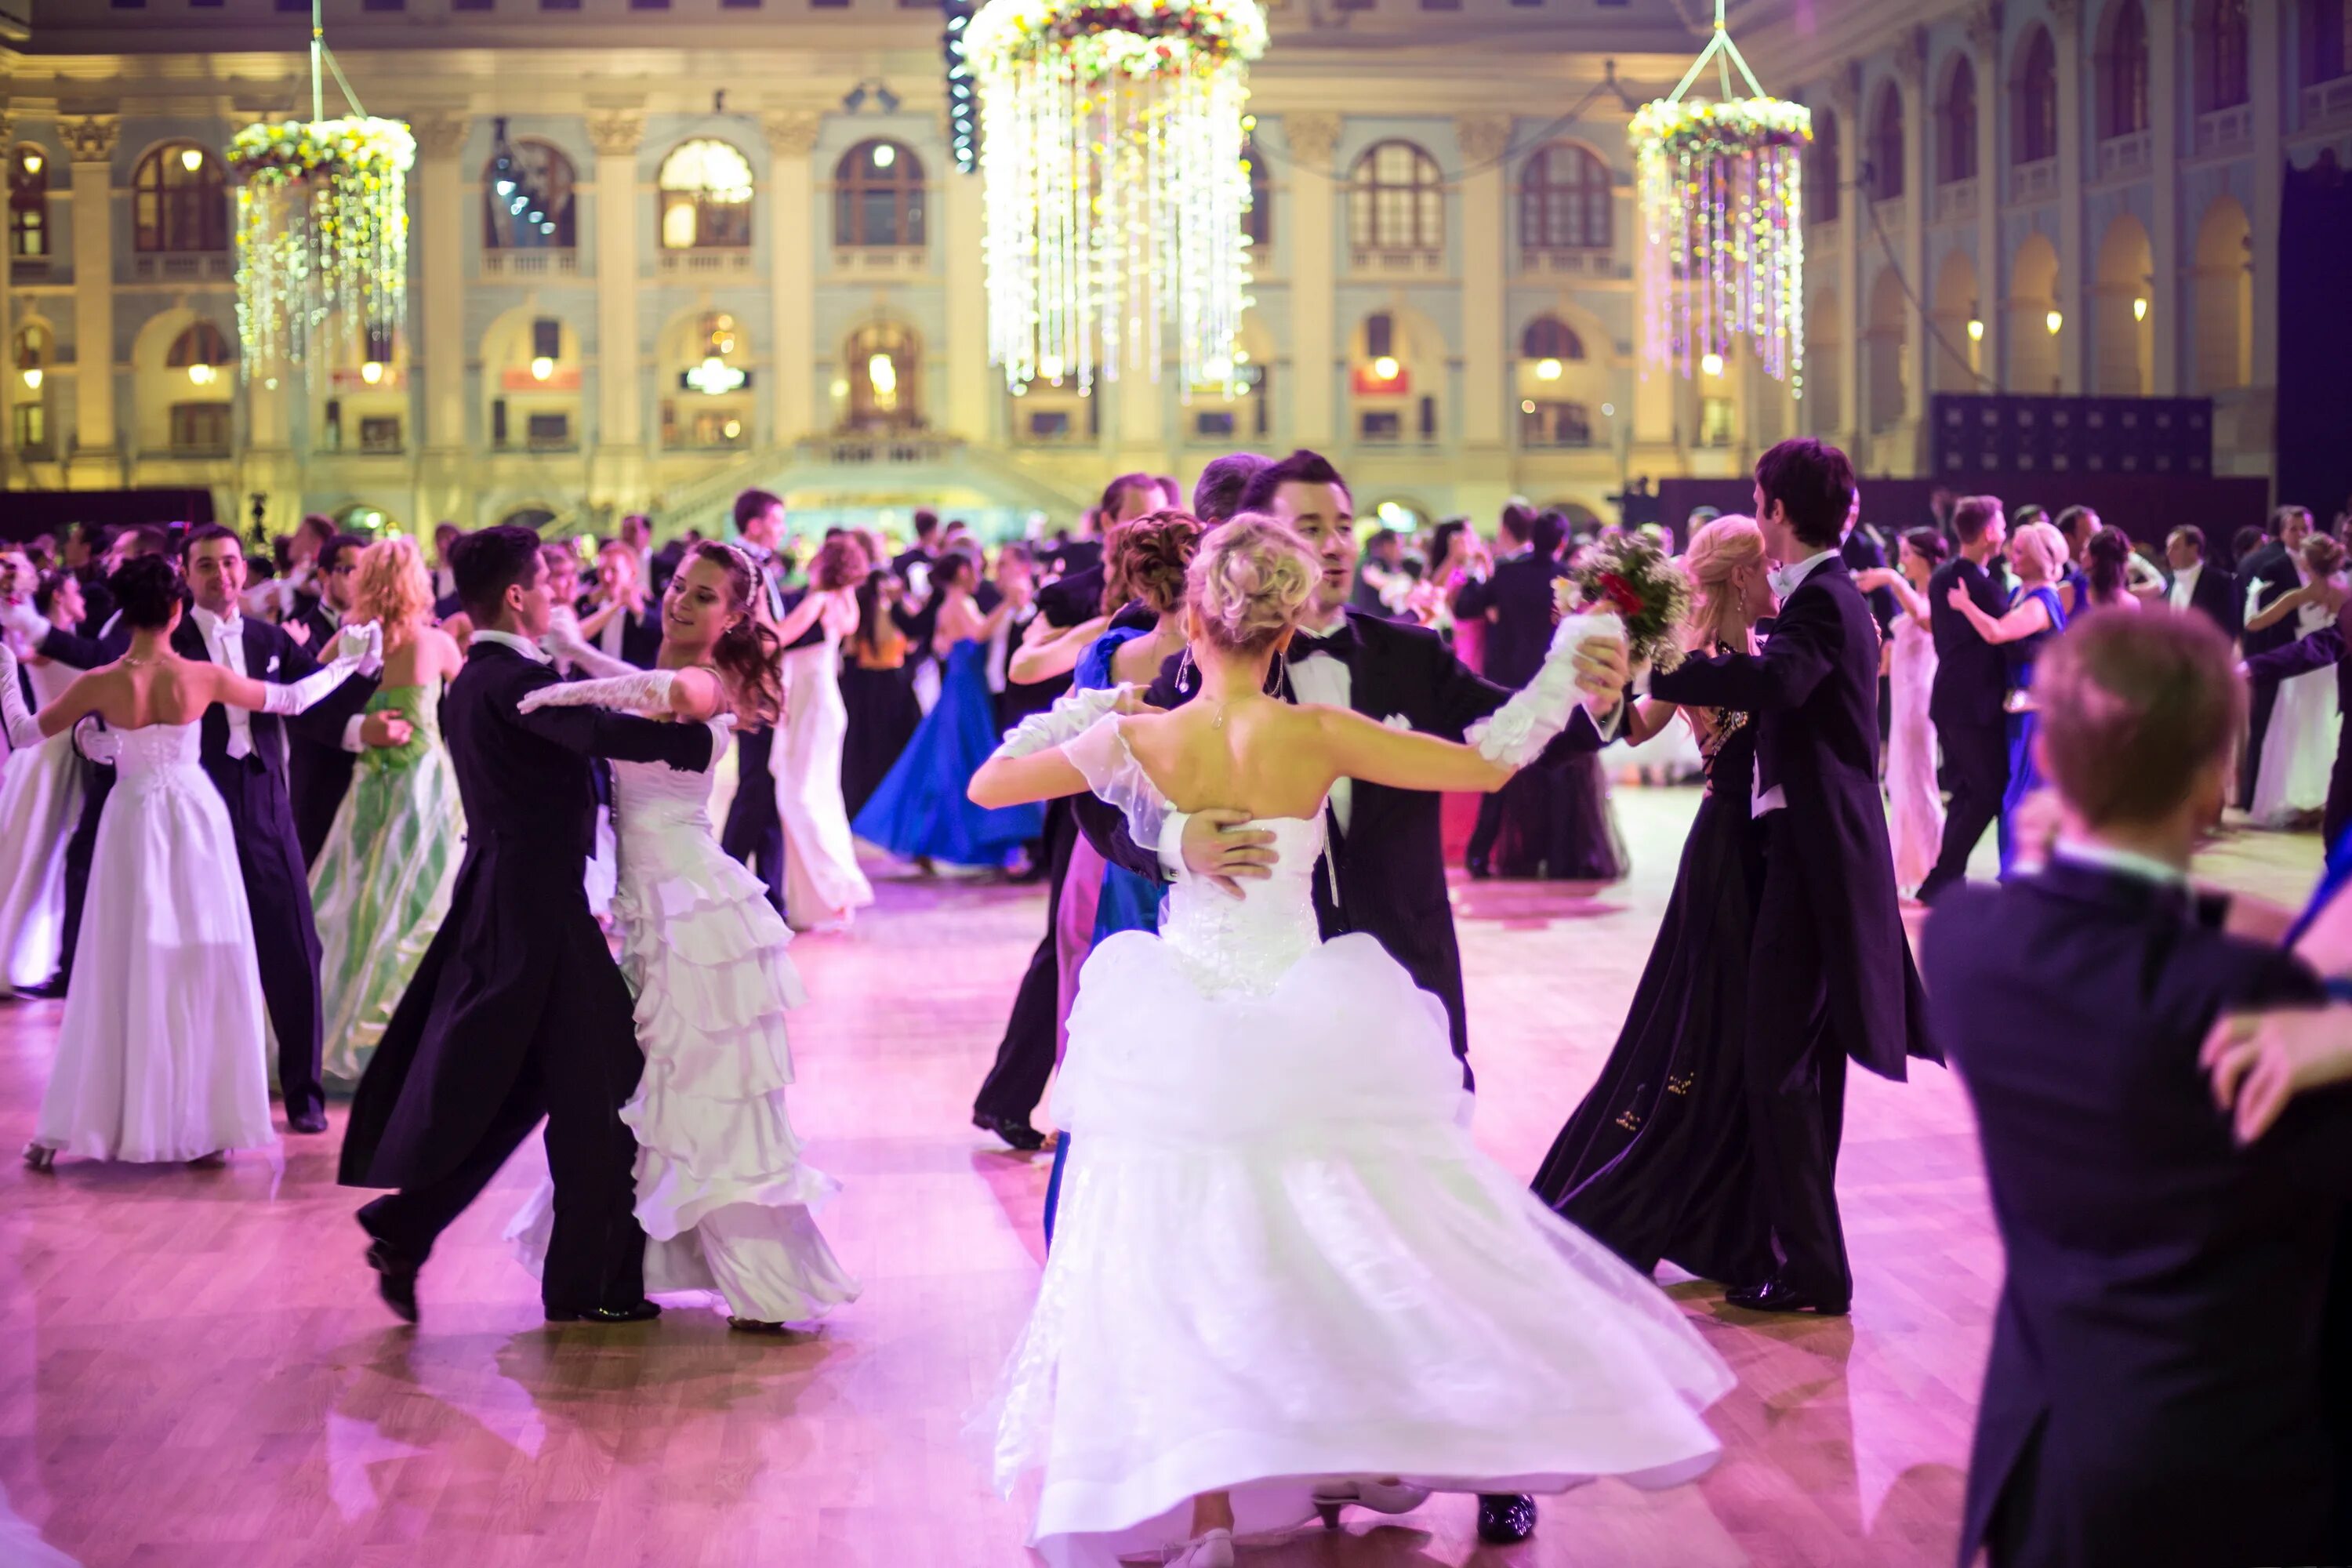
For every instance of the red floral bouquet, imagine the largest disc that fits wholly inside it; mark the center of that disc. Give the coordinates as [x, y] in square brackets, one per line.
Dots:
[1629, 577]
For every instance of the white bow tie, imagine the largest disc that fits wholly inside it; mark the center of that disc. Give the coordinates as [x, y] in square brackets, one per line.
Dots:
[229, 628]
[1785, 581]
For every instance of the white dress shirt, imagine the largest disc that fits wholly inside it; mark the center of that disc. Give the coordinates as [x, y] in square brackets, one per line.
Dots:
[523, 646]
[2184, 585]
[224, 640]
[608, 639]
[2129, 862]
[1785, 581]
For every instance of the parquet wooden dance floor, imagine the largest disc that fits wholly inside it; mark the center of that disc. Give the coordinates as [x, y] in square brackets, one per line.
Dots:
[195, 1371]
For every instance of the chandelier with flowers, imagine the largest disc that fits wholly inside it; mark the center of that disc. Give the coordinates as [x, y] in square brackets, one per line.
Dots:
[1721, 199]
[321, 230]
[1111, 149]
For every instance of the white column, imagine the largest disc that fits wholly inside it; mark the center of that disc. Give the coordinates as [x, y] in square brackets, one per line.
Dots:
[441, 277]
[616, 133]
[1918, 182]
[972, 385]
[1485, 237]
[1312, 140]
[1992, 267]
[9, 380]
[2266, 92]
[2066, 23]
[90, 139]
[792, 240]
[2169, 305]
[1853, 222]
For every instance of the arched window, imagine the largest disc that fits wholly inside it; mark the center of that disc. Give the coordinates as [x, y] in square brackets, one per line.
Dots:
[878, 197]
[2221, 41]
[1957, 159]
[528, 196]
[30, 356]
[884, 363]
[2323, 33]
[1258, 222]
[200, 344]
[2123, 74]
[28, 203]
[1549, 338]
[1564, 201]
[1821, 191]
[1396, 200]
[706, 198]
[2036, 96]
[1887, 146]
[179, 201]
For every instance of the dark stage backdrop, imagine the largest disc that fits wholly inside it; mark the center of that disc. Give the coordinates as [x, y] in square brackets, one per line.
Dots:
[24, 513]
[2314, 394]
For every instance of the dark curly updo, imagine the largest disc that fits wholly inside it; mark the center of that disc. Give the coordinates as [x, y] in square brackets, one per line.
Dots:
[148, 591]
[1146, 562]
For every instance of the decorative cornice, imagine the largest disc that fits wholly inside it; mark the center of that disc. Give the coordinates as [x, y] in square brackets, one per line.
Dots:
[792, 132]
[90, 138]
[2067, 14]
[441, 133]
[1484, 136]
[1911, 57]
[616, 132]
[1313, 139]
[1984, 27]
[1845, 89]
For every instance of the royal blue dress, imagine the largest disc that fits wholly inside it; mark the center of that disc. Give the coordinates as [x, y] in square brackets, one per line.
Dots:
[921, 809]
[2024, 777]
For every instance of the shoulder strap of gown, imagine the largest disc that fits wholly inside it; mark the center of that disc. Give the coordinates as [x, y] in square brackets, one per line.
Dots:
[1110, 770]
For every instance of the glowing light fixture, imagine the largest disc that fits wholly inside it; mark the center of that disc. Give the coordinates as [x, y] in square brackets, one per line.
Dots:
[542, 368]
[2054, 320]
[1115, 184]
[200, 373]
[731, 429]
[32, 162]
[33, 378]
[714, 376]
[1711, 364]
[192, 159]
[1975, 330]
[1548, 370]
[1527, 405]
[1386, 367]
[2139, 309]
[885, 155]
[372, 372]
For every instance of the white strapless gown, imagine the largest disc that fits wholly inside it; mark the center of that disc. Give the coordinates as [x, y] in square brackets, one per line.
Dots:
[724, 1197]
[40, 802]
[160, 1056]
[823, 883]
[1280, 1258]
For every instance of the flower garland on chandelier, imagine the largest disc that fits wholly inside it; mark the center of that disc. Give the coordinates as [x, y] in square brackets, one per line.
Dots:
[321, 236]
[1111, 154]
[1720, 188]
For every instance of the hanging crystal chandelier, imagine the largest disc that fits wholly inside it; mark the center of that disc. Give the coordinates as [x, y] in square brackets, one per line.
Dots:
[1111, 150]
[1723, 238]
[321, 231]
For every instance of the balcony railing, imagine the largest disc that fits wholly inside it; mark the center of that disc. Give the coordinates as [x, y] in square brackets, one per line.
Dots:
[2327, 101]
[2225, 128]
[880, 260]
[1956, 200]
[2125, 157]
[707, 263]
[2034, 182]
[182, 266]
[854, 450]
[1396, 263]
[1574, 263]
[549, 263]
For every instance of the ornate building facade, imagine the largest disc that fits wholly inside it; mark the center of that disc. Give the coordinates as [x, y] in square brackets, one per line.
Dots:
[663, 249]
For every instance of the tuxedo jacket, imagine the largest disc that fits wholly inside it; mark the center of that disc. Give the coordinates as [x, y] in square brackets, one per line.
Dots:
[1814, 694]
[2269, 574]
[1519, 630]
[641, 633]
[2153, 1394]
[1972, 674]
[2321, 650]
[1862, 552]
[1390, 864]
[273, 656]
[2222, 600]
[318, 769]
[518, 915]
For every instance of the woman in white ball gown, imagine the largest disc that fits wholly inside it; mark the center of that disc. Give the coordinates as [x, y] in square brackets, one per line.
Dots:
[40, 801]
[726, 1201]
[160, 1056]
[1283, 1275]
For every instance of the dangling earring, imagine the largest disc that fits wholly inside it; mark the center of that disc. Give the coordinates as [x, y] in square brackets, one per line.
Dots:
[1281, 673]
[1184, 670]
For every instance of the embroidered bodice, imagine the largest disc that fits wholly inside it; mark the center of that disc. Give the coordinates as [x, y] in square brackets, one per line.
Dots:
[157, 748]
[650, 796]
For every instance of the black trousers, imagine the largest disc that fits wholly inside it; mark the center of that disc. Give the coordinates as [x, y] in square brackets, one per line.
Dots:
[98, 783]
[1796, 1079]
[2338, 818]
[318, 785]
[285, 928]
[1487, 828]
[1976, 766]
[2263, 702]
[1024, 1057]
[581, 1067]
[754, 834]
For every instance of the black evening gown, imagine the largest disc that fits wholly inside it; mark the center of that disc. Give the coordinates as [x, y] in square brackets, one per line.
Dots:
[1556, 825]
[1656, 1162]
[883, 714]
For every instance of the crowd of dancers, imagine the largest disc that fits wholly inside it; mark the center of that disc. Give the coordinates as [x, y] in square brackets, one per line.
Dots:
[487, 845]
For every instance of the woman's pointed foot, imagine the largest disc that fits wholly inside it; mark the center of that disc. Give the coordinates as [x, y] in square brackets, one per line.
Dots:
[1210, 1548]
[40, 1156]
[212, 1162]
[1380, 1496]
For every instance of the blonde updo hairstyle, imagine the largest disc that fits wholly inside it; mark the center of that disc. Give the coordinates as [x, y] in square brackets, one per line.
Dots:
[2039, 547]
[392, 586]
[1718, 551]
[1250, 583]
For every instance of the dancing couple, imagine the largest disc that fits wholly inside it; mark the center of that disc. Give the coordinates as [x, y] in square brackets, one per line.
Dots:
[518, 1012]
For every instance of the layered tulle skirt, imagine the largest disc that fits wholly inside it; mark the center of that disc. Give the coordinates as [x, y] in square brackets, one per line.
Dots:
[1281, 1258]
[40, 801]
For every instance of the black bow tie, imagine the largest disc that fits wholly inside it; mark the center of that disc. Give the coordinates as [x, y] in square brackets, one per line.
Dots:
[1341, 643]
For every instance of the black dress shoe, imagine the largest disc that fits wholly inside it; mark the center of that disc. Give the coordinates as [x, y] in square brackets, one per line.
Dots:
[395, 1280]
[306, 1122]
[1505, 1520]
[1779, 1296]
[1017, 1134]
[1480, 870]
[641, 1312]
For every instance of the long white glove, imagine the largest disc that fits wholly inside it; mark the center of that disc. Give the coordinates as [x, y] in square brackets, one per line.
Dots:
[24, 730]
[362, 647]
[19, 616]
[639, 692]
[1517, 731]
[562, 640]
[1071, 716]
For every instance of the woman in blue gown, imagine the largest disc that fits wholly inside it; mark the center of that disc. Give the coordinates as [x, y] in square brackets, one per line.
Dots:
[921, 812]
[2037, 552]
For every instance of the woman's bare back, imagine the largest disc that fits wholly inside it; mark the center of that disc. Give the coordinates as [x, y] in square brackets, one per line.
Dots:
[160, 689]
[425, 657]
[1269, 759]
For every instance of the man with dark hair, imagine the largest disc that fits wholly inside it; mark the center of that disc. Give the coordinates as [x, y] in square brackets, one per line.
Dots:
[1830, 974]
[1514, 604]
[445, 579]
[1311, 469]
[2269, 574]
[317, 775]
[2155, 1390]
[2202, 586]
[1218, 494]
[924, 551]
[1378, 572]
[517, 1011]
[754, 833]
[1967, 702]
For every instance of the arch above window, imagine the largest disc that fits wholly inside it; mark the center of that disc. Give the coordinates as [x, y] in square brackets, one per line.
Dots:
[878, 197]
[528, 197]
[706, 197]
[1956, 125]
[2321, 36]
[28, 203]
[1886, 145]
[1396, 199]
[2123, 72]
[884, 363]
[2222, 34]
[179, 201]
[2035, 93]
[1549, 338]
[199, 344]
[1566, 200]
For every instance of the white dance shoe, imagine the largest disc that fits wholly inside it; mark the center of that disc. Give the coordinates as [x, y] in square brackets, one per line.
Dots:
[1380, 1496]
[1215, 1549]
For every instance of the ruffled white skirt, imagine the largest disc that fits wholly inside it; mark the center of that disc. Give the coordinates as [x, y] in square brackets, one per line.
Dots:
[726, 1201]
[1279, 1258]
[40, 801]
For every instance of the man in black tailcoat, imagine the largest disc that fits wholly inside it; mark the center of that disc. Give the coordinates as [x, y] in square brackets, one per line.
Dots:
[321, 752]
[754, 833]
[1966, 703]
[1515, 605]
[2323, 649]
[1829, 974]
[517, 1011]
[2155, 1390]
[2271, 571]
[2206, 586]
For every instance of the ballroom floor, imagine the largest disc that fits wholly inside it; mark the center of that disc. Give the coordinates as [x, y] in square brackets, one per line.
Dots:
[195, 1370]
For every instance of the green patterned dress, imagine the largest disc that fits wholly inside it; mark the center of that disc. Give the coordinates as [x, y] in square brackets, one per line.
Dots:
[382, 884]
